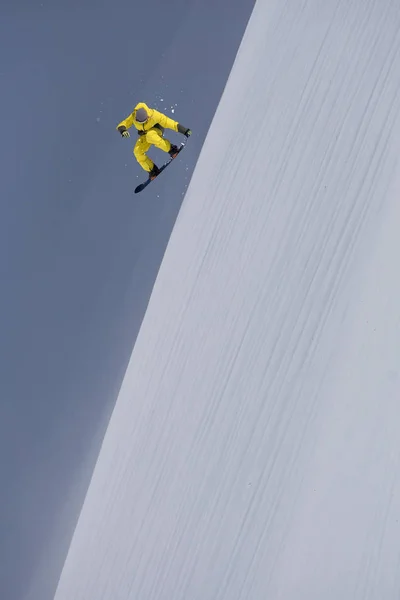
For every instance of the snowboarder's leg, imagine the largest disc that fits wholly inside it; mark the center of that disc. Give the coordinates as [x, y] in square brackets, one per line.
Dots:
[141, 147]
[154, 136]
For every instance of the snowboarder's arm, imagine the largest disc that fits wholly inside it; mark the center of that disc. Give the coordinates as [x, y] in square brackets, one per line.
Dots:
[125, 124]
[164, 121]
[169, 123]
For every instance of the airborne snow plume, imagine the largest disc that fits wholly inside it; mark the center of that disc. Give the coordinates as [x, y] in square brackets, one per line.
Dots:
[254, 449]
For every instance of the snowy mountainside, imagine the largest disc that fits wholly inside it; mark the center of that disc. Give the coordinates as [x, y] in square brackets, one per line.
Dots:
[254, 449]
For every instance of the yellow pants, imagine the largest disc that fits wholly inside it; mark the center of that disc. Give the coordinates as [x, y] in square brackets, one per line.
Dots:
[153, 137]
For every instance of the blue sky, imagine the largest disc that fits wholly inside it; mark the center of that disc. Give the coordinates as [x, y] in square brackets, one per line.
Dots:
[79, 252]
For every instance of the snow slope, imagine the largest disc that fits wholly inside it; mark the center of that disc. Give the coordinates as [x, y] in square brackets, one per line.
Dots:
[255, 445]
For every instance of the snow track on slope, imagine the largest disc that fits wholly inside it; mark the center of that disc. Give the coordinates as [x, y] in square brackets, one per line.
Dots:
[254, 449]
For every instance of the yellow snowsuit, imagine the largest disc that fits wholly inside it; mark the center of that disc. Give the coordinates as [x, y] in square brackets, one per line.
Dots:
[153, 136]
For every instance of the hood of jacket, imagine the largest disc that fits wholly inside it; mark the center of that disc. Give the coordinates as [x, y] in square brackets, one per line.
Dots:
[147, 124]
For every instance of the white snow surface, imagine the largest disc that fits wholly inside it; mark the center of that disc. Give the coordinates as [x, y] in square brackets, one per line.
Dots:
[255, 446]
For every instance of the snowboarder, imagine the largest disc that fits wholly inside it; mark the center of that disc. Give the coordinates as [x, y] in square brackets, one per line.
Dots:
[150, 124]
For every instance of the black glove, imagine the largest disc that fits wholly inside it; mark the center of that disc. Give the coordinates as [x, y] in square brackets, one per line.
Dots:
[184, 130]
[123, 131]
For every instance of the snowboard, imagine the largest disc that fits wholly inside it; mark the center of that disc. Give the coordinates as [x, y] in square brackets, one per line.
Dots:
[141, 186]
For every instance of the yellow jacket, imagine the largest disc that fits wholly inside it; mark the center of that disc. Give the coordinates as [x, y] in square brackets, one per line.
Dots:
[155, 118]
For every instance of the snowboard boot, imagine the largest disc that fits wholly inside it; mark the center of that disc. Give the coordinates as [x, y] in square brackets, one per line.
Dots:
[154, 172]
[174, 150]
